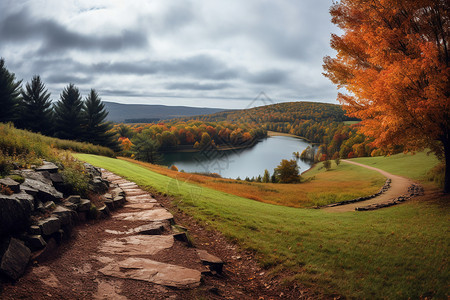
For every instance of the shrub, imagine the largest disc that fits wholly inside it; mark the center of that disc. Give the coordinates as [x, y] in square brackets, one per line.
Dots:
[327, 164]
[287, 171]
[437, 174]
[174, 168]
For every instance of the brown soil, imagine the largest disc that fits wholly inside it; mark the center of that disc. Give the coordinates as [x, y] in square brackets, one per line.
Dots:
[70, 271]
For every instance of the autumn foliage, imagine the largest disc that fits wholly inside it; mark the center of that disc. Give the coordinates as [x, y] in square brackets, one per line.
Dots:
[393, 59]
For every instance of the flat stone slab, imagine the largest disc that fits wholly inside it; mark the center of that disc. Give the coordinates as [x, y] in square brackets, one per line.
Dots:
[120, 181]
[134, 192]
[141, 206]
[159, 214]
[138, 245]
[154, 228]
[49, 167]
[155, 272]
[130, 185]
[141, 199]
[12, 184]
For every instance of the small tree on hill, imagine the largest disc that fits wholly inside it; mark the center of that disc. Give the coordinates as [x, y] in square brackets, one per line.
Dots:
[327, 164]
[9, 94]
[337, 161]
[287, 171]
[96, 129]
[145, 148]
[36, 113]
[266, 176]
[68, 115]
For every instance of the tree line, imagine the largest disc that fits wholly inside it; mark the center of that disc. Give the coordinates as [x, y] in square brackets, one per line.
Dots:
[145, 141]
[71, 117]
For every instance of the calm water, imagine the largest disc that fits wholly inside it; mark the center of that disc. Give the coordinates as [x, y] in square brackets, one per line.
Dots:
[266, 154]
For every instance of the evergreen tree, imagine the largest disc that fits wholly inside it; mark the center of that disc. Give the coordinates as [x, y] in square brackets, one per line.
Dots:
[94, 125]
[68, 114]
[145, 148]
[266, 177]
[9, 94]
[36, 113]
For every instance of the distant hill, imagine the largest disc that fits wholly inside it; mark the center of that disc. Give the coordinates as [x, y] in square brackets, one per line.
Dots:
[290, 112]
[137, 113]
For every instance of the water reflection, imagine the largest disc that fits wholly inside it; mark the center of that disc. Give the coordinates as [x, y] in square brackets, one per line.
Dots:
[267, 154]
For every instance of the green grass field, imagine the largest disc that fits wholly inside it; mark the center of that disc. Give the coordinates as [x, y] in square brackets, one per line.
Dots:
[412, 166]
[400, 252]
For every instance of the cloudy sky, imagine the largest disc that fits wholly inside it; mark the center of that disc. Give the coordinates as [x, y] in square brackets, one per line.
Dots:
[203, 53]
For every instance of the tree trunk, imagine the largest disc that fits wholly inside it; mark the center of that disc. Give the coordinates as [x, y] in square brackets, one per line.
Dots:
[446, 143]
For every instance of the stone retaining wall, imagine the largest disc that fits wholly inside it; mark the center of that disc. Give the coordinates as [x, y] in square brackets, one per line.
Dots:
[35, 214]
[386, 186]
[413, 190]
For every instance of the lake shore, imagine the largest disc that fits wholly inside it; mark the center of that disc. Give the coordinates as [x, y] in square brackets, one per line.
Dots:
[275, 133]
[191, 149]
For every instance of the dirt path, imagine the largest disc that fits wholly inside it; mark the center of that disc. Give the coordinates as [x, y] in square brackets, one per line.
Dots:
[114, 259]
[399, 186]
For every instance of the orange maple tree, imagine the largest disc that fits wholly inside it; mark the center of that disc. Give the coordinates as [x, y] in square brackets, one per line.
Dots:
[393, 61]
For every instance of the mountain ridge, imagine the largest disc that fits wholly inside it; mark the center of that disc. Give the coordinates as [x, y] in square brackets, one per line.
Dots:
[119, 112]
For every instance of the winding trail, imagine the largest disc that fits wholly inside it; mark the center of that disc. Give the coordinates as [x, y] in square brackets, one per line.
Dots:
[399, 186]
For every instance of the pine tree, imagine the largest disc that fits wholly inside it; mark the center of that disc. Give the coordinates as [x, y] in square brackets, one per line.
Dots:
[96, 129]
[36, 113]
[68, 114]
[266, 177]
[9, 94]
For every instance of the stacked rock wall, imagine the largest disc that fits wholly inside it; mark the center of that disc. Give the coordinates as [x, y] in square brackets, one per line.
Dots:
[34, 212]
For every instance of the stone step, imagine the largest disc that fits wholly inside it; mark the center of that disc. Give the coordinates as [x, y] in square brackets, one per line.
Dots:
[153, 271]
[159, 214]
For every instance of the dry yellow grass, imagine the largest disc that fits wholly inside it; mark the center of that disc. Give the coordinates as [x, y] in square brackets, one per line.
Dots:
[340, 183]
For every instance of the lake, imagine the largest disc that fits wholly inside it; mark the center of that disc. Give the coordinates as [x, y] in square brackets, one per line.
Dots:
[266, 154]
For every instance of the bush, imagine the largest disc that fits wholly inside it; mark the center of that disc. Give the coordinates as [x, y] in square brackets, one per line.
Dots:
[327, 164]
[437, 175]
[287, 171]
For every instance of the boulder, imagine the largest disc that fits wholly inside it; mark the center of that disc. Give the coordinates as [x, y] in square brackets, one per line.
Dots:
[49, 205]
[110, 204]
[74, 199]
[49, 225]
[46, 192]
[15, 212]
[15, 258]
[65, 215]
[34, 230]
[104, 211]
[98, 185]
[29, 190]
[93, 171]
[39, 176]
[34, 242]
[56, 178]
[70, 205]
[10, 183]
[155, 228]
[108, 196]
[48, 166]
[118, 201]
[85, 205]
[117, 192]
[214, 263]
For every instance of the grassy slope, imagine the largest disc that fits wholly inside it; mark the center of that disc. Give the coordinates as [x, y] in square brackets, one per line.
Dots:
[412, 166]
[342, 183]
[399, 252]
